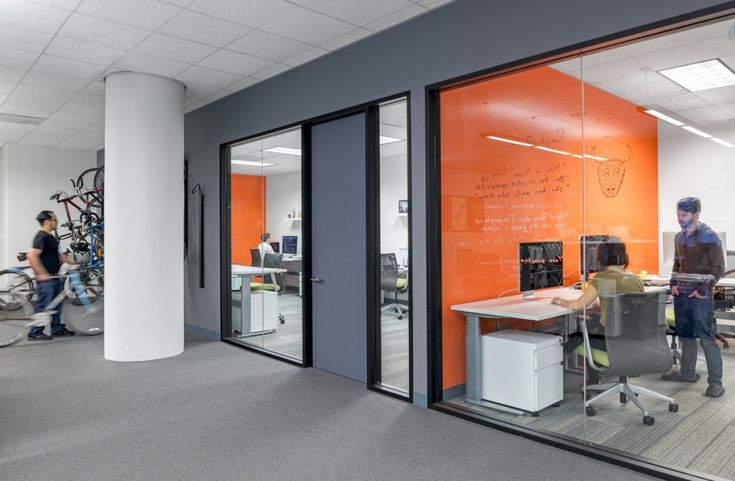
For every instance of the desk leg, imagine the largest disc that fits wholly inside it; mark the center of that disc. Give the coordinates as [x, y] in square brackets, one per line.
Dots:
[245, 305]
[473, 356]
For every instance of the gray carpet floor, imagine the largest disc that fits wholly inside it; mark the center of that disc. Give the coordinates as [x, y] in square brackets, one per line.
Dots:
[218, 412]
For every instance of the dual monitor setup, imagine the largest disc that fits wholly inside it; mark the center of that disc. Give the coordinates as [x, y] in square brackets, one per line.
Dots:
[290, 245]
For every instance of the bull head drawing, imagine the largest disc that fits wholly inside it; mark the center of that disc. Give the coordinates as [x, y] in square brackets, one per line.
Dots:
[611, 173]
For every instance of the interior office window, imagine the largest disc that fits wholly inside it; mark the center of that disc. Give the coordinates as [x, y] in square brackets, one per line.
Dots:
[266, 242]
[394, 212]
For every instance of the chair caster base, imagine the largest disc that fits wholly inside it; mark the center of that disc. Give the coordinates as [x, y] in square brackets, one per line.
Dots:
[590, 411]
[673, 408]
[648, 420]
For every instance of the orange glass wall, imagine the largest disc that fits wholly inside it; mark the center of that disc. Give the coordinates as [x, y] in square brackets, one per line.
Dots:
[248, 215]
[497, 194]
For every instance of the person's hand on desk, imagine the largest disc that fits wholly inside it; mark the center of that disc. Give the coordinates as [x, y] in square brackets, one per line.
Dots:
[560, 302]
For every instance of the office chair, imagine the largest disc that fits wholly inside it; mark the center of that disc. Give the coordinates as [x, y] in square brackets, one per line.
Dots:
[256, 259]
[635, 344]
[276, 284]
[390, 282]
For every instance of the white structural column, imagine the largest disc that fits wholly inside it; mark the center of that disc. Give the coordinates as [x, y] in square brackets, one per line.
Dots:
[144, 217]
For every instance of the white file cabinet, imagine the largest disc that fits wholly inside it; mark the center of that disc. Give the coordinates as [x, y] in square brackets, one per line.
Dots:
[522, 369]
[263, 314]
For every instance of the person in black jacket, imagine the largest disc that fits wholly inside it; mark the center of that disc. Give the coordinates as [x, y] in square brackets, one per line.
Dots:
[46, 261]
[698, 265]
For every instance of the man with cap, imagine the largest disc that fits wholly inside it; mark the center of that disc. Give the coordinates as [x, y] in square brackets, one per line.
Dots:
[698, 265]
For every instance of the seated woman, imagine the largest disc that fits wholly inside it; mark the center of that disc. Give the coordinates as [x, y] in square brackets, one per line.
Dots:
[612, 279]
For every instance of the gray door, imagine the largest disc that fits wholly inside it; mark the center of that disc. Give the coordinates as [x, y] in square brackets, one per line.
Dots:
[338, 247]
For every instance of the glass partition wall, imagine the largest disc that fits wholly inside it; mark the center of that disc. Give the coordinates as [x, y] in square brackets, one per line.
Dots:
[266, 241]
[586, 211]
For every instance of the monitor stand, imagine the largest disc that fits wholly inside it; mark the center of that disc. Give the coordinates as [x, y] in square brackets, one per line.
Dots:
[528, 295]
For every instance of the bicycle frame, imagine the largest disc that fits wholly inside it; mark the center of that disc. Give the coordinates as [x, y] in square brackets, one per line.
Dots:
[95, 260]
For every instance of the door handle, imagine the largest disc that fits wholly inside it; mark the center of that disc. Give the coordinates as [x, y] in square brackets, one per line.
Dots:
[316, 279]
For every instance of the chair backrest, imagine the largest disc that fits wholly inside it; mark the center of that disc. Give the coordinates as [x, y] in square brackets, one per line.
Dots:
[635, 333]
[255, 256]
[388, 272]
[274, 260]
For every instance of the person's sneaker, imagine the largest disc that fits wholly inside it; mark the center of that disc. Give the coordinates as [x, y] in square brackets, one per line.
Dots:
[64, 332]
[39, 337]
[714, 390]
[679, 377]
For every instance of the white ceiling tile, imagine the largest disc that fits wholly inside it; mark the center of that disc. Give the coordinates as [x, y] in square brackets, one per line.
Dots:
[395, 18]
[60, 132]
[271, 71]
[71, 68]
[356, 13]
[39, 142]
[346, 39]
[63, 116]
[105, 32]
[11, 73]
[307, 26]
[208, 77]
[89, 135]
[304, 57]
[75, 49]
[81, 109]
[197, 92]
[612, 70]
[195, 105]
[3, 96]
[43, 92]
[65, 4]
[91, 100]
[21, 13]
[63, 124]
[7, 86]
[11, 57]
[434, 3]
[33, 102]
[6, 138]
[174, 48]
[140, 62]
[179, 3]
[243, 84]
[95, 88]
[148, 14]
[219, 95]
[29, 111]
[46, 79]
[203, 29]
[719, 29]
[252, 13]
[267, 45]
[656, 44]
[234, 62]
[14, 129]
[23, 38]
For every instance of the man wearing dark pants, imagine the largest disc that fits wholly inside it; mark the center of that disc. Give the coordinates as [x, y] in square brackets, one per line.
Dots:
[698, 265]
[46, 260]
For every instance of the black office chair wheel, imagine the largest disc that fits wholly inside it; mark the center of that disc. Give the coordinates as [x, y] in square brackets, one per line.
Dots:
[557, 404]
[400, 316]
[590, 411]
[673, 408]
[281, 318]
[648, 420]
[534, 414]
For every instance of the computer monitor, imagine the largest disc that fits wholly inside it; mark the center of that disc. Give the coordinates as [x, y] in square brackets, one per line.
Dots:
[276, 247]
[290, 244]
[588, 258]
[540, 266]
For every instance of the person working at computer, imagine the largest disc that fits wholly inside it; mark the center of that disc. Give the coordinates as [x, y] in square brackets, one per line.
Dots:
[698, 265]
[613, 278]
[265, 246]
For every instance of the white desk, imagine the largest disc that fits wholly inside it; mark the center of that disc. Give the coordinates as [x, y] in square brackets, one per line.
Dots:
[664, 280]
[537, 309]
[246, 273]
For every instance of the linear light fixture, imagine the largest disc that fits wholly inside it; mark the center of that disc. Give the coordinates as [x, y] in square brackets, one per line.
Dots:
[721, 142]
[384, 139]
[587, 156]
[664, 117]
[706, 75]
[541, 147]
[691, 129]
[252, 163]
[516, 142]
[283, 150]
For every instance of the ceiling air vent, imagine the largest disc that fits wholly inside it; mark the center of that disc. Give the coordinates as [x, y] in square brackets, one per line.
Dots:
[20, 119]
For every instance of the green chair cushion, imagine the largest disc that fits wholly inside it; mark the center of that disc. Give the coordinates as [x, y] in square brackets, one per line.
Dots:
[670, 316]
[259, 286]
[401, 283]
[599, 356]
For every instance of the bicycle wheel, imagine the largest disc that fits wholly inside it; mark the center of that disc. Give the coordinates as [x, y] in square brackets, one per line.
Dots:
[16, 289]
[92, 286]
[99, 178]
[85, 181]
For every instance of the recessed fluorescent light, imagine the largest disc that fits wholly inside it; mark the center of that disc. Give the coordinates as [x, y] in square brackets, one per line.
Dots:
[283, 150]
[706, 75]
[588, 157]
[501, 139]
[697, 131]
[664, 117]
[252, 163]
[721, 142]
[551, 150]
[388, 140]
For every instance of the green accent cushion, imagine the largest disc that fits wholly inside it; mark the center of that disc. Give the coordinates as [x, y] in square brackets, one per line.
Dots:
[401, 283]
[670, 316]
[599, 356]
[259, 286]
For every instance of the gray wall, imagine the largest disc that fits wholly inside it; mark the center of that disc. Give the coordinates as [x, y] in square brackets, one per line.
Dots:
[453, 40]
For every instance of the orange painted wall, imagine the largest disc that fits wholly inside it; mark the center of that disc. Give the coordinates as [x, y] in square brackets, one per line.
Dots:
[248, 215]
[496, 194]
